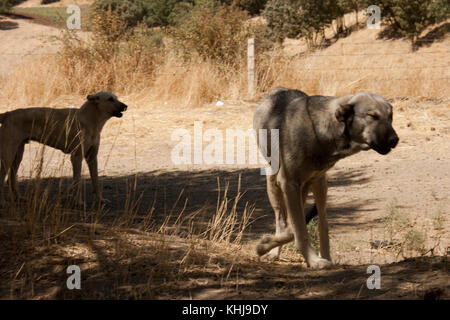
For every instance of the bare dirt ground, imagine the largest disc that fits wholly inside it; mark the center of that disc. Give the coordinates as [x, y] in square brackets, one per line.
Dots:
[128, 262]
[21, 39]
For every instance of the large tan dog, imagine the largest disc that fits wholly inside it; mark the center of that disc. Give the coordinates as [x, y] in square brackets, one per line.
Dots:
[73, 131]
[314, 133]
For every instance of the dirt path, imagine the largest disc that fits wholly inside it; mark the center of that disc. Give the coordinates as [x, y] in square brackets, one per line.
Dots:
[21, 39]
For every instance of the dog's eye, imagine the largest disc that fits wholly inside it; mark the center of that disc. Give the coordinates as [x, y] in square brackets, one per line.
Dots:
[111, 99]
[373, 116]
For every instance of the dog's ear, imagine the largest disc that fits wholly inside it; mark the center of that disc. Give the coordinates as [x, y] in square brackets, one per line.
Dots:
[92, 97]
[345, 112]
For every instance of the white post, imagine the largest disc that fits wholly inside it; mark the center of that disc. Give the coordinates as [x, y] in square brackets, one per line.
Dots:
[251, 66]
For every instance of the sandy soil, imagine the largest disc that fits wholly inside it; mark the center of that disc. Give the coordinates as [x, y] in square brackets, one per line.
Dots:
[21, 40]
[415, 176]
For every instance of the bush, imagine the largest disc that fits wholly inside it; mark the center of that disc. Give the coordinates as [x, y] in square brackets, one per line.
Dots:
[410, 18]
[131, 12]
[299, 18]
[117, 57]
[283, 19]
[6, 5]
[216, 34]
[251, 6]
[151, 12]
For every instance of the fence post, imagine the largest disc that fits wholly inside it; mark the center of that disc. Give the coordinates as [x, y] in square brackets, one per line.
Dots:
[251, 66]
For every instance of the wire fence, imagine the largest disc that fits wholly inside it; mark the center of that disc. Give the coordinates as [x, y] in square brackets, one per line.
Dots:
[444, 68]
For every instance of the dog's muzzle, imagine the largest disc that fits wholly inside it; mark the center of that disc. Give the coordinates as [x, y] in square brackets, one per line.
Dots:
[118, 113]
[390, 144]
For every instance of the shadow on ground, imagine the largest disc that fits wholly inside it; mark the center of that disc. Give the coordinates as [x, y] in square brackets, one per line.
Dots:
[127, 263]
[168, 193]
[436, 34]
[7, 25]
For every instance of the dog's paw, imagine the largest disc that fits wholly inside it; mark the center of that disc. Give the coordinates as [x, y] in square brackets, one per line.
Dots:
[263, 246]
[320, 263]
[271, 256]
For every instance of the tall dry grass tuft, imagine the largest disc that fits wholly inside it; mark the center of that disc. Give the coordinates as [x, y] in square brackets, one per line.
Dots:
[197, 82]
[226, 224]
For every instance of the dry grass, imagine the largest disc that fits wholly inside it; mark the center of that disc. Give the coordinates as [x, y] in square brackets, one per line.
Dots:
[360, 62]
[48, 227]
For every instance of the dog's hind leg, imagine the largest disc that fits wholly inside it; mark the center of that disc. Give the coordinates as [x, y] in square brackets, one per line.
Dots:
[319, 188]
[12, 179]
[7, 155]
[283, 232]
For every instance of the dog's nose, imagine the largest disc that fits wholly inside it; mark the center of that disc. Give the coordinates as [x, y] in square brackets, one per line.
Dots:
[124, 106]
[393, 140]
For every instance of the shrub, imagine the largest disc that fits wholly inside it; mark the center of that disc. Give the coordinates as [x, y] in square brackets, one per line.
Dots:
[116, 56]
[130, 11]
[283, 19]
[410, 18]
[6, 5]
[158, 12]
[438, 220]
[216, 34]
[415, 240]
[251, 6]
[299, 18]
[152, 12]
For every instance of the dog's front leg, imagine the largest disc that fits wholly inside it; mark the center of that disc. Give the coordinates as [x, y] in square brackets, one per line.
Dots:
[91, 159]
[76, 159]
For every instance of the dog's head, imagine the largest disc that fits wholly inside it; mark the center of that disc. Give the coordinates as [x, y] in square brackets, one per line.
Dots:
[108, 103]
[368, 120]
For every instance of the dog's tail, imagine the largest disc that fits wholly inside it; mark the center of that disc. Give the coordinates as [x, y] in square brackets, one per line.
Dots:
[3, 116]
[310, 213]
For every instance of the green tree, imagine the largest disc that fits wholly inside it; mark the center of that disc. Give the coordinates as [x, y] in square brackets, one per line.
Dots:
[283, 19]
[411, 17]
[251, 6]
[6, 5]
[152, 12]
[353, 6]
